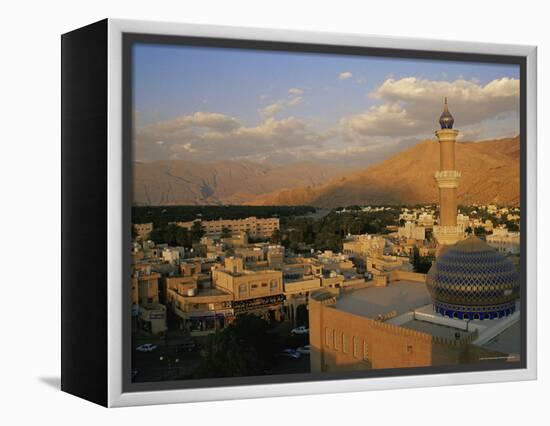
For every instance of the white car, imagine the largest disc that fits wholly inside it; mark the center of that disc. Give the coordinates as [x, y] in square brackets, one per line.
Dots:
[304, 350]
[147, 347]
[300, 330]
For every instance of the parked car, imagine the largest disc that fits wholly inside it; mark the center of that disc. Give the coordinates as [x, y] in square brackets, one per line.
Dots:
[147, 347]
[304, 350]
[300, 330]
[187, 346]
[290, 353]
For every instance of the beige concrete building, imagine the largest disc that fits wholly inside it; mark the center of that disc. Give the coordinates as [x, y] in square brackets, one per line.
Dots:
[152, 318]
[145, 285]
[504, 241]
[258, 292]
[364, 245]
[394, 326]
[143, 230]
[253, 226]
[201, 311]
[411, 230]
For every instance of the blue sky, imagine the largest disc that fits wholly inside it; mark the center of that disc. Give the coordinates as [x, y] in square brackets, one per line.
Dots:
[340, 101]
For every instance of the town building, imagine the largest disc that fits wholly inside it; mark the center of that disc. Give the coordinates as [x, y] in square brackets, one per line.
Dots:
[504, 241]
[258, 292]
[364, 245]
[411, 230]
[152, 318]
[253, 226]
[143, 231]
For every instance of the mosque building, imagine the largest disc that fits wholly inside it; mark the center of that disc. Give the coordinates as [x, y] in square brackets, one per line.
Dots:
[465, 310]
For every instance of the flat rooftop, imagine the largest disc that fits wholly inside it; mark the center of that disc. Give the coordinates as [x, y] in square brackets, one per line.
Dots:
[212, 291]
[508, 341]
[399, 296]
[436, 330]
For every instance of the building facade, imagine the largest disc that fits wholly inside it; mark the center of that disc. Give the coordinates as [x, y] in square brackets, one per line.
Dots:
[253, 226]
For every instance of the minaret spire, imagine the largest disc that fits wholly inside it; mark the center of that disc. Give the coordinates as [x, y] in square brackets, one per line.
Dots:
[446, 120]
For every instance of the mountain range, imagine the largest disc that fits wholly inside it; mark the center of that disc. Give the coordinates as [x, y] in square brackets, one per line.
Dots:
[180, 182]
[490, 174]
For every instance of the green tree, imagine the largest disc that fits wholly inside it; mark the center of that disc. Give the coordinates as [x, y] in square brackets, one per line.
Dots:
[512, 226]
[244, 348]
[479, 230]
[276, 237]
[197, 231]
[302, 315]
[421, 264]
[183, 238]
[170, 234]
[226, 233]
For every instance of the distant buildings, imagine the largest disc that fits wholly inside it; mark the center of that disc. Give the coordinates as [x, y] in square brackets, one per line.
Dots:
[143, 231]
[411, 230]
[364, 245]
[253, 226]
[504, 241]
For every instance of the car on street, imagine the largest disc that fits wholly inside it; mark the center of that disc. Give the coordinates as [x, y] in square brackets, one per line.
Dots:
[300, 330]
[291, 353]
[147, 347]
[304, 350]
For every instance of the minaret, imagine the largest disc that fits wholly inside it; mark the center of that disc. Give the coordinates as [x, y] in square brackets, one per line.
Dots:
[447, 178]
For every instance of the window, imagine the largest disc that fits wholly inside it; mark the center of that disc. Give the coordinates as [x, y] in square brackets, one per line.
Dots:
[327, 336]
[264, 284]
[344, 343]
[355, 343]
[365, 351]
[273, 285]
[336, 337]
[242, 288]
[254, 286]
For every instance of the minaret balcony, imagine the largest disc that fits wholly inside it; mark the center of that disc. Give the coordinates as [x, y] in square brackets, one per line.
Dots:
[448, 235]
[448, 178]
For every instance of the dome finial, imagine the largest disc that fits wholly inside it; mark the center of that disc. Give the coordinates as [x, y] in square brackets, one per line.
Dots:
[446, 120]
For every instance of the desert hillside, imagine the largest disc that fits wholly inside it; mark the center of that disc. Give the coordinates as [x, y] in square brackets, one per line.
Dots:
[490, 174]
[229, 182]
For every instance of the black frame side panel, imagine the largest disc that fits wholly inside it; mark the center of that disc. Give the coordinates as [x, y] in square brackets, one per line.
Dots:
[84, 212]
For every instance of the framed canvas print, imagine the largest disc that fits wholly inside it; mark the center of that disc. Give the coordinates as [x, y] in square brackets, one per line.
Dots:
[252, 213]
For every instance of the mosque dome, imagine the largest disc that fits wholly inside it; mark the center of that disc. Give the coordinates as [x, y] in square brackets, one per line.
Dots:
[446, 120]
[471, 280]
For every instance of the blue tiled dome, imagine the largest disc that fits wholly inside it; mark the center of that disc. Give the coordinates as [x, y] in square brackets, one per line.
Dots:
[471, 280]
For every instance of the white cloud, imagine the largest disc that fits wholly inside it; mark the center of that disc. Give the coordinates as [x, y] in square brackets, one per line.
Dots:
[208, 136]
[344, 75]
[295, 97]
[406, 110]
[411, 106]
[272, 109]
[296, 91]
